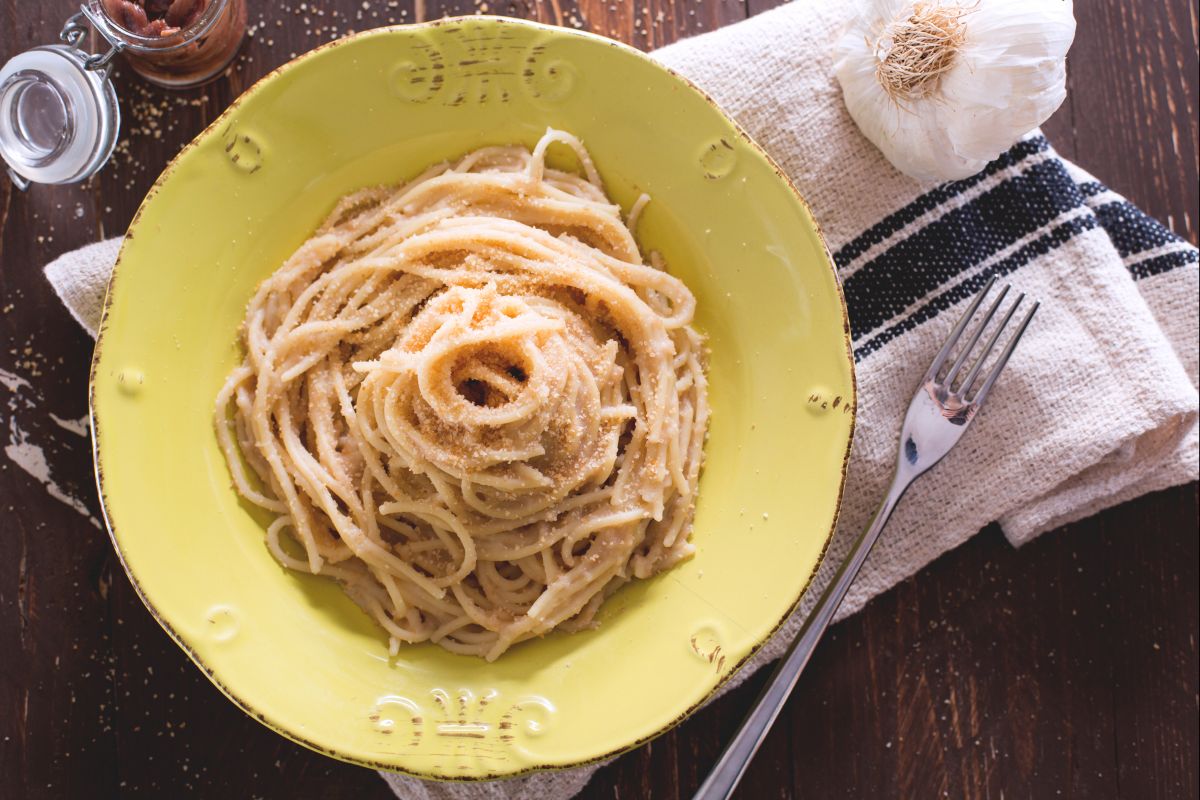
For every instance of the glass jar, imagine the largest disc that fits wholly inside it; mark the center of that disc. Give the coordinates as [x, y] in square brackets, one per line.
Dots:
[58, 109]
[195, 52]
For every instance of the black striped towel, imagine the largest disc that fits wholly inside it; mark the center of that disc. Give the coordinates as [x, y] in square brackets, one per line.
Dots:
[1100, 403]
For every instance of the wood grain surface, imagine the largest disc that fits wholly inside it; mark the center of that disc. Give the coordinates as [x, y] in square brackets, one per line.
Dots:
[1065, 669]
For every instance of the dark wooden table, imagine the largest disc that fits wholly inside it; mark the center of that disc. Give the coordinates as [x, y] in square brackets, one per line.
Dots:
[1065, 669]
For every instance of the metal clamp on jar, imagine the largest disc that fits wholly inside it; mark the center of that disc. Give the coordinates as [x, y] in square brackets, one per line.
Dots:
[58, 109]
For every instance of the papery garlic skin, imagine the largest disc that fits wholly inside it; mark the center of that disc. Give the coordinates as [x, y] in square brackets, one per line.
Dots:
[1007, 76]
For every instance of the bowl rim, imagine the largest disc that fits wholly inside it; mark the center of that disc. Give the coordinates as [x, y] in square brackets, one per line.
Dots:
[347, 755]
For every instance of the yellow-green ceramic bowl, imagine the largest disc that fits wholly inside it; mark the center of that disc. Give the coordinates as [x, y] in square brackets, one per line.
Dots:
[292, 650]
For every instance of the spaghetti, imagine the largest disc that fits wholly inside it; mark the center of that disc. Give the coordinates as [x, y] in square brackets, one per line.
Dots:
[472, 402]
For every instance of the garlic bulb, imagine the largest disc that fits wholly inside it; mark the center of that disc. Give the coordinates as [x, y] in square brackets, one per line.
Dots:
[942, 87]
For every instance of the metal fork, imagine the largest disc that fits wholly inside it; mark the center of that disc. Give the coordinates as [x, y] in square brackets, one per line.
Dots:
[939, 414]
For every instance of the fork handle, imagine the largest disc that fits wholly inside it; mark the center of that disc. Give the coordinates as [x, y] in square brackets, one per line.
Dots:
[733, 762]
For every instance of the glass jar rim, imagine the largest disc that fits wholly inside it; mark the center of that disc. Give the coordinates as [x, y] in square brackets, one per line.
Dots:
[154, 44]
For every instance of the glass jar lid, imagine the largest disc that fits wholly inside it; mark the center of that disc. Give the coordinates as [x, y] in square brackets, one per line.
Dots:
[58, 116]
[58, 111]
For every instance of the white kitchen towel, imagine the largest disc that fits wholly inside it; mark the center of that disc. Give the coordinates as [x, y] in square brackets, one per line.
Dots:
[1099, 404]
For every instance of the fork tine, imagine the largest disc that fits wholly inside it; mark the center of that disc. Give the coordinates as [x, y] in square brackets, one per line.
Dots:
[956, 333]
[1008, 351]
[966, 351]
[987, 348]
